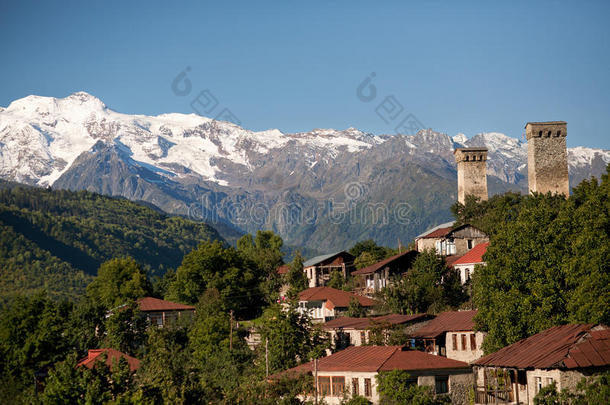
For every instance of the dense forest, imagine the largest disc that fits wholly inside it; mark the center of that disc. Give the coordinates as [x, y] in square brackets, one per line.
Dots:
[56, 239]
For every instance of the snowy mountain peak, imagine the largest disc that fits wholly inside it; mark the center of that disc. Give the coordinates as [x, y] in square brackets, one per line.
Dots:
[460, 139]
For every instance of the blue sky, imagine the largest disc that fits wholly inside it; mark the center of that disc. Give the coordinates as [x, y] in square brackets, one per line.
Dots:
[455, 66]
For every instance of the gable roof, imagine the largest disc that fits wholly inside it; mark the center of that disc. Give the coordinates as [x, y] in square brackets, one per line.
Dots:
[147, 304]
[112, 356]
[566, 346]
[338, 298]
[318, 259]
[474, 255]
[379, 358]
[437, 231]
[346, 322]
[450, 321]
[380, 265]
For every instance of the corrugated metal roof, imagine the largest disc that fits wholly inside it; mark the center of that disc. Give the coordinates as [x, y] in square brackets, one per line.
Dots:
[338, 298]
[566, 346]
[450, 260]
[346, 322]
[378, 358]
[450, 321]
[474, 255]
[445, 225]
[155, 304]
[112, 356]
[386, 262]
[315, 260]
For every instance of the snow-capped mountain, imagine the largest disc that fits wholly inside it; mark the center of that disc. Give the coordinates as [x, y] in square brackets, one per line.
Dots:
[193, 165]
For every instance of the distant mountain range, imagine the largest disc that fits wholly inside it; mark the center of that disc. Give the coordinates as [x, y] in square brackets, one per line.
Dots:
[324, 189]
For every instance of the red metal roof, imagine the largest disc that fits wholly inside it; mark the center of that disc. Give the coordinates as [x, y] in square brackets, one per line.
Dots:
[346, 322]
[474, 255]
[338, 298]
[566, 346]
[380, 265]
[154, 304]
[112, 356]
[283, 269]
[378, 358]
[450, 321]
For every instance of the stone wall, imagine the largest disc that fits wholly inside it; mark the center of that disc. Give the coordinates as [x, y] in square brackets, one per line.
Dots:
[467, 355]
[472, 172]
[547, 157]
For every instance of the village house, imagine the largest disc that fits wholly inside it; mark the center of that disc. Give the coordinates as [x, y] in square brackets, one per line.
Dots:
[347, 331]
[451, 334]
[373, 278]
[465, 264]
[318, 269]
[448, 240]
[112, 357]
[160, 312]
[562, 355]
[353, 371]
[325, 303]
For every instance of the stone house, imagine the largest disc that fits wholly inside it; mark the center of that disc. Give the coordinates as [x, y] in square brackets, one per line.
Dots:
[448, 240]
[318, 269]
[346, 331]
[465, 264]
[353, 371]
[373, 278]
[562, 355]
[326, 303]
[451, 334]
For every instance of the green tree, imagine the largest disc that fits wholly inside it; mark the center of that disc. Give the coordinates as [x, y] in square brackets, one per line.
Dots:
[296, 277]
[396, 387]
[591, 390]
[355, 309]
[368, 252]
[126, 329]
[117, 281]
[336, 280]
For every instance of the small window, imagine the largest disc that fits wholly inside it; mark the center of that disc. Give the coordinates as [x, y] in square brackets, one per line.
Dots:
[539, 133]
[549, 381]
[466, 274]
[355, 387]
[362, 337]
[473, 342]
[441, 383]
[464, 342]
[558, 133]
[324, 385]
[454, 341]
[470, 244]
[338, 386]
[538, 384]
[367, 388]
[466, 158]
[549, 134]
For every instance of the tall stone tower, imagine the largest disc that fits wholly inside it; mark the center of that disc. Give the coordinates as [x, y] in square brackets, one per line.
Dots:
[472, 172]
[547, 157]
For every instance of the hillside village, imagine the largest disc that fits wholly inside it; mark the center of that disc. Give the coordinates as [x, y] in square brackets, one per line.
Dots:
[338, 328]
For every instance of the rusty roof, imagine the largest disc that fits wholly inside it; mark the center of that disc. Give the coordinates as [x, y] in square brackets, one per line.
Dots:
[283, 269]
[566, 346]
[346, 322]
[409, 254]
[112, 356]
[154, 304]
[474, 255]
[450, 260]
[449, 321]
[378, 358]
[338, 298]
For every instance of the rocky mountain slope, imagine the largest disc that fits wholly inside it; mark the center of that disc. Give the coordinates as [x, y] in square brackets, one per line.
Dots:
[323, 189]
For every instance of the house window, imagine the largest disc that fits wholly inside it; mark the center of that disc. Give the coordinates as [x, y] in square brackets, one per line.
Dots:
[355, 387]
[549, 381]
[324, 385]
[367, 387]
[338, 386]
[450, 246]
[454, 339]
[464, 342]
[466, 274]
[538, 384]
[362, 337]
[473, 342]
[470, 244]
[156, 319]
[441, 384]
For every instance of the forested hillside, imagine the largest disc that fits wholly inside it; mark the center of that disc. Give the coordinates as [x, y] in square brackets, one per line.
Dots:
[57, 239]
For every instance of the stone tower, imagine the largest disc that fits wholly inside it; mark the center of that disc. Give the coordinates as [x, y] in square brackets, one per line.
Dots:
[547, 157]
[472, 172]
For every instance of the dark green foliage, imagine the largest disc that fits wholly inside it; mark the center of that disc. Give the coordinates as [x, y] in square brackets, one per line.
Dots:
[396, 388]
[214, 266]
[592, 390]
[125, 329]
[355, 309]
[488, 215]
[337, 280]
[118, 281]
[56, 239]
[357, 400]
[429, 286]
[367, 252]
[296, 277]
[547, 266]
